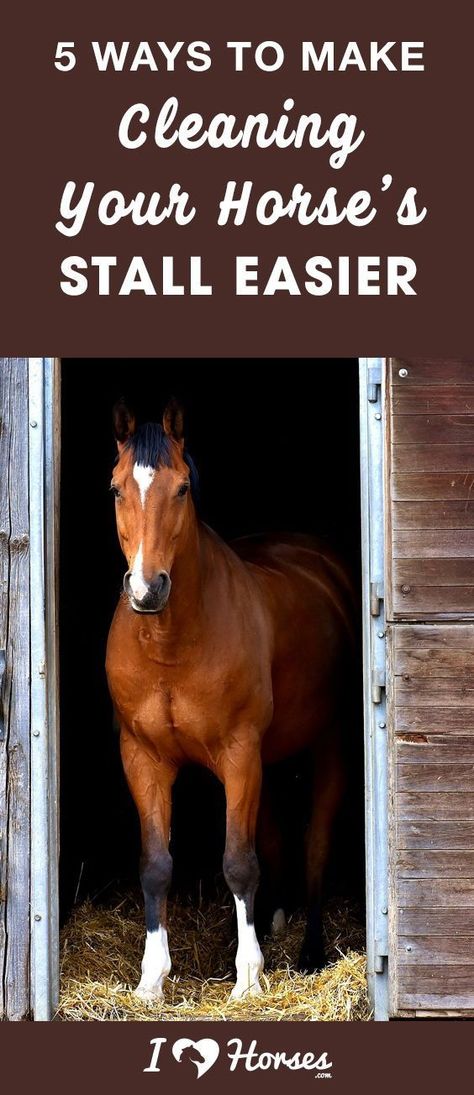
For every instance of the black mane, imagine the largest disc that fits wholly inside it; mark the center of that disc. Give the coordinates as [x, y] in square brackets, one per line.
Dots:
[152, 447]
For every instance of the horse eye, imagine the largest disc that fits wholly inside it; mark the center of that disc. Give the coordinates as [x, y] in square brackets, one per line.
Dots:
[115, 490]
[183, 490]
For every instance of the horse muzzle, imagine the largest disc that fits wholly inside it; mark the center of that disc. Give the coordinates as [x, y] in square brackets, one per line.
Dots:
[148, 597]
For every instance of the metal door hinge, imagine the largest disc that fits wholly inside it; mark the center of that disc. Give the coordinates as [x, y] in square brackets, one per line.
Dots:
[376, 596]
[374, 381]
[378, 683]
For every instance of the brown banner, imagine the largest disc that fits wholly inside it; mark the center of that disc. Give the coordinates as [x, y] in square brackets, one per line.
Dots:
[62, 126]
[107, 1057]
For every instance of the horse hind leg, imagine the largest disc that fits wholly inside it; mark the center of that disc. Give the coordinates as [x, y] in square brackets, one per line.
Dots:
[328, 788]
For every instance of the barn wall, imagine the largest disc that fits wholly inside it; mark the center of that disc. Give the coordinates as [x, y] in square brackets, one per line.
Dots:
[431, 484]
[15, 704]
[430, 580]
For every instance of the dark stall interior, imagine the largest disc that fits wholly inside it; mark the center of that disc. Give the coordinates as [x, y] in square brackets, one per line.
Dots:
[276, 445]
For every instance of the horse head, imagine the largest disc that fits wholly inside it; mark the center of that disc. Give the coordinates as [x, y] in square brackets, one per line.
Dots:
[153, 482]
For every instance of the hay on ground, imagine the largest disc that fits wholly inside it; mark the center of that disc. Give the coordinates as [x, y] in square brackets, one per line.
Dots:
[101, 953]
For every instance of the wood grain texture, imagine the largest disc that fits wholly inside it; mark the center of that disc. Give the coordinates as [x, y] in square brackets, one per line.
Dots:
[426, 372]
[453, 457]
[433, 399]
[435, 720]
[14, 635]
[430, 457]
[435, 777]
[432, 833]
[431, 429]
[437, 544]
[434, 691]
[415, 486]
[452, 922]
[444, 514]
[435, 893]
[416, 748]
[436, 863]
[455, 835]
[421, 806]
[433, 637]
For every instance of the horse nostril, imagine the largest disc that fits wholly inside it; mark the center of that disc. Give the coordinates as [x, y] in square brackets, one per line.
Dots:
[126, 583]
[160, 583]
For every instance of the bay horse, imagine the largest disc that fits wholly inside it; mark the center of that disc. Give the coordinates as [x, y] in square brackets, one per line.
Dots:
[232, 657]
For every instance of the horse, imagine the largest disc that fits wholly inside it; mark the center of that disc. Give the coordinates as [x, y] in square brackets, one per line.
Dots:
[231, 656]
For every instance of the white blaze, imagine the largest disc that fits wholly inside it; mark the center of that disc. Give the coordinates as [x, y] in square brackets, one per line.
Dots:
[144, 477]
[249, 959]
[137, 581]
[156, 963]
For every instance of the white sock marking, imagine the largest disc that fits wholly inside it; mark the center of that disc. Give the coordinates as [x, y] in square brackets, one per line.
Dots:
[156, 963]
[249, 959]
[144, 476]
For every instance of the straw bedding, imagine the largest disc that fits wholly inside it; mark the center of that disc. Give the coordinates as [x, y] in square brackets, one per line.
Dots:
[101, 953]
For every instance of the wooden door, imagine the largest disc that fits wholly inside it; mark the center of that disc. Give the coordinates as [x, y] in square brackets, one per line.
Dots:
[430, 611]
[29, 504]
[14, 692]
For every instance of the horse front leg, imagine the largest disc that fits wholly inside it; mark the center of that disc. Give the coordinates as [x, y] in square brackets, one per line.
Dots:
[242, 776]
[151, 785]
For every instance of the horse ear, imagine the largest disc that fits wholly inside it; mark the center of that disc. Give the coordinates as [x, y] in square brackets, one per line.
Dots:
[124, 423]
[173, 421]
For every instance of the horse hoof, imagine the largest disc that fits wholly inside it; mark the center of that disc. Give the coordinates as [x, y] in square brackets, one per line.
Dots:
[278, 922]
[242, 992]
[149, 996]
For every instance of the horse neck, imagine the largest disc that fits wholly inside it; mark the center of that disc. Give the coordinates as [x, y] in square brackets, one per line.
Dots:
[182, 618]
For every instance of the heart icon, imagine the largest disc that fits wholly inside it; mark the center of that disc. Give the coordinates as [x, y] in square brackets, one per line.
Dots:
[206, 1049]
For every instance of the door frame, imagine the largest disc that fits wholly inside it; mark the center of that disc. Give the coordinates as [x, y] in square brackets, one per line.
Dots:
[44, 485]
[372, 460]
[44, 463]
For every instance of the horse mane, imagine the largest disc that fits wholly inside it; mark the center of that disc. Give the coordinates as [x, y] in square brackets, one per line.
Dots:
[152, 447]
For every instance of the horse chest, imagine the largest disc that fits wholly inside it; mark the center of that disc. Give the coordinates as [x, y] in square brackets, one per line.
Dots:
[192, 712]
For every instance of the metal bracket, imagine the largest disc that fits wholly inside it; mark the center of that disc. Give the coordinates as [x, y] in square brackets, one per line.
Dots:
[3, 662]
[376, 596]
[378, 683]
[374, 381]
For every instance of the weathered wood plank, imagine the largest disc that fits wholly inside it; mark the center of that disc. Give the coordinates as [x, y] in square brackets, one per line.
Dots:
[420, 978]
[449, 806]
[440, 663]
[445, 514]
[439, 485]
[453, 922]
[434, 544]
[448, 602]
[457, 371]
[436, 1005]
[434, 863]
[429, 692]
[14, 765]
[435, 892]
[435, 777]
[435, 720]
[451, 458]
[440, 429]
[433, 399]
[436, 950]
[433, 572]
[455, 835]
[413, 636]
